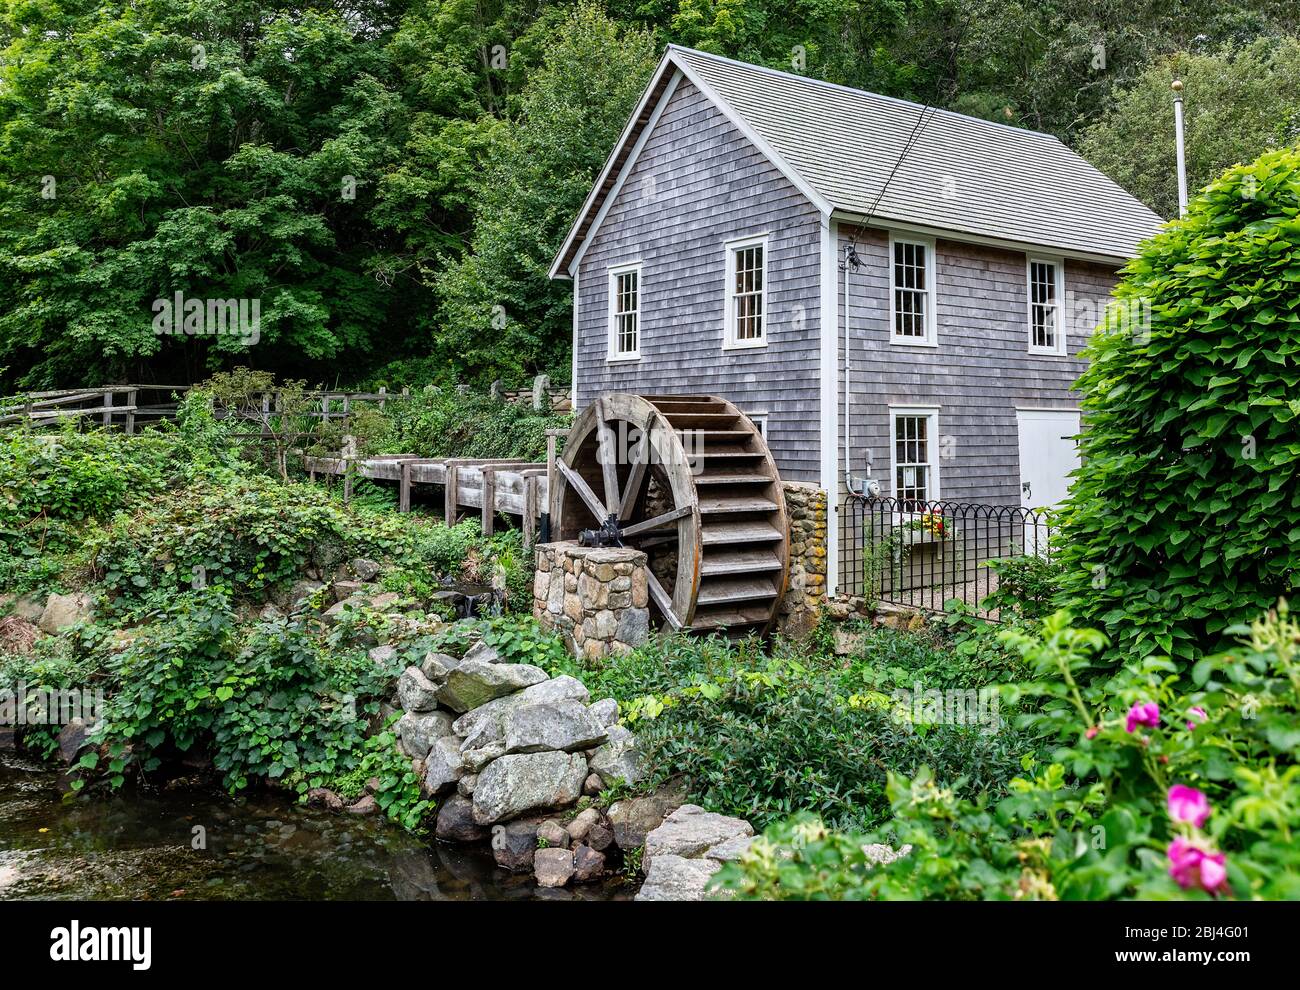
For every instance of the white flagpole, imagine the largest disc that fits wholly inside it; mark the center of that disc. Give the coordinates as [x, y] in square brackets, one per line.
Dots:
[1178, 147]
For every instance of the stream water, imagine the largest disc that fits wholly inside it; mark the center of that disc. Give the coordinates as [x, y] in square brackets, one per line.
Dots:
[140, 845]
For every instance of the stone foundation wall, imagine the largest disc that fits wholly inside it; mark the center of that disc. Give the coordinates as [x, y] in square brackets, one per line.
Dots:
[595, 597]
[806, 588]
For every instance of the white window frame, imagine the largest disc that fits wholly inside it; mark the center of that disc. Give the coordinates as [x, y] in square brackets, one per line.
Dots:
[931, 414]
[759, 419]
[1058, 348]
[729, 340]
[931, 338]
[614, 354]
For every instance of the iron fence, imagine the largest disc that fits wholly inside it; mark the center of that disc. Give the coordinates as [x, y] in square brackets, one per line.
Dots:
[925, 554]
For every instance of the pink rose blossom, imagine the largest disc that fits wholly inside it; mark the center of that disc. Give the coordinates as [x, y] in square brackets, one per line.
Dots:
[1191, 866]
[1187, 804]
[1198, 715]
[1143, 713]
[1091, 733]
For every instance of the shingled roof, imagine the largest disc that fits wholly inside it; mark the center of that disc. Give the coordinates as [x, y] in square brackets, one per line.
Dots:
[963, 175]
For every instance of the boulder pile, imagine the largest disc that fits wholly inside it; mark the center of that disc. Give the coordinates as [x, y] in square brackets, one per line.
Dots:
[517, 757]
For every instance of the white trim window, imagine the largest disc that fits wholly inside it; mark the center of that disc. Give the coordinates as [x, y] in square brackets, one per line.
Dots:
[911, 292]
[1045, 294]
[914, 449]
[746, 293]
[625, 312]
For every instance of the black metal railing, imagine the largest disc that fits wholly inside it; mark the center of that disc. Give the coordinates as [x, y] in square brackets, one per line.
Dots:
[925, 554]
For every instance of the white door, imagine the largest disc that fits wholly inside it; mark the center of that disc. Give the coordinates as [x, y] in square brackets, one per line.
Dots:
[1048, 453]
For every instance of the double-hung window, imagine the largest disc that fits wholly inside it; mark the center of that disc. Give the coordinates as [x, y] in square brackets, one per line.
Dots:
[1045, 284]
[915, 440]
[911, 296]
[625, 313]
[746, 304]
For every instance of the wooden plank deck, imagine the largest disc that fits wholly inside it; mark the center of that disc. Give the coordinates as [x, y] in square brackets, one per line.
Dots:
[492, 487]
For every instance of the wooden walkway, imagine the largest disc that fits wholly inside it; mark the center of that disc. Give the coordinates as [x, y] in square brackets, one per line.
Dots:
[511, 488]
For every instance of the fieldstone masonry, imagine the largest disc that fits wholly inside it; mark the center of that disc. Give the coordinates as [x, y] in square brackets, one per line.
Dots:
[596, 597]
[806, 588]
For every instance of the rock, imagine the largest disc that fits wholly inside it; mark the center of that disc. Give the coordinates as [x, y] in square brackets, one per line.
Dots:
[343, 590]
[559, 725]
[456, 821]
[689, 832]
[372, 785]
[553, 867]
[593, 785]
[27, 607]
[270, 613]
[300, 591]
[416, 692]
[514, 845]
[730, 849]
[364, 568]
[323, 797]
[588, 864]
[480, 652]
[674, 878]
[552, 833]
[65, 611]
[383, 656]
[436, 667]
[476, 759]
[72, 739]
[600, 837]
[633, 626]
[618, 759]
[465, 786]
[516, 784]
[366, 805]
[605, 712]
[418, 731]
[8, 737]
[487, 722]
[474, 683]
[443, 766]
[581, 824]
[634, 818]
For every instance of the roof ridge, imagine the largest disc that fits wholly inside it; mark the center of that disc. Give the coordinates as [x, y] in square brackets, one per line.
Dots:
[780, 73]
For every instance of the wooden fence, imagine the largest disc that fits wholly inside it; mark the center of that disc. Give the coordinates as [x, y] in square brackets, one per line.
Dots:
[126, 406]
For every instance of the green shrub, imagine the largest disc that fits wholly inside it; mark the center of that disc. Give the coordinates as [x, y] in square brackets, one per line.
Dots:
[245, 536]
[1152, 777]
[1185, 515]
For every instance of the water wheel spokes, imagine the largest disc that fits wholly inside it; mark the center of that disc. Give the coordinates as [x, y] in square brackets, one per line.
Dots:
[711, 521]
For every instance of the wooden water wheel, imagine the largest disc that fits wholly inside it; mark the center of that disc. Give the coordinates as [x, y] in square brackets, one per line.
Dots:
[689, 480]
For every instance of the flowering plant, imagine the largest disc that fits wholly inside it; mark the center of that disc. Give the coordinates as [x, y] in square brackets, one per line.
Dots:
[1160, 786]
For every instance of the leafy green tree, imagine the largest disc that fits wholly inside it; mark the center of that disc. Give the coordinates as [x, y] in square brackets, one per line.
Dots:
[500, 310]
[1185, 515]
[1238, 103]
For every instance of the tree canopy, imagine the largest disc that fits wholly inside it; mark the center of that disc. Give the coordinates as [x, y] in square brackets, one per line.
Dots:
[389, 178]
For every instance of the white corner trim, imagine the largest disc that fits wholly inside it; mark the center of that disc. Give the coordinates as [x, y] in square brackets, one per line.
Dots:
[573, 374]
[830, 405]
[754, 137]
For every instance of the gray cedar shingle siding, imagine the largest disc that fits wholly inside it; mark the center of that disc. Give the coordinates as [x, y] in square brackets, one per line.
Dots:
[710, 185]
[977, 376]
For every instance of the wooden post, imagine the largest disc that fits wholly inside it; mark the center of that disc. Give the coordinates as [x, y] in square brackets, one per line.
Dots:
[404, 488]
[383, 397]
[108, 404]
[530, 509]
[489, 500]
[266, 413]
[550, 472]
[451, 506]
[132, 400]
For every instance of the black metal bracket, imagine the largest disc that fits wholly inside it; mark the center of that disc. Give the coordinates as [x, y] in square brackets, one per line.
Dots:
[610, 534]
